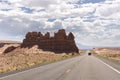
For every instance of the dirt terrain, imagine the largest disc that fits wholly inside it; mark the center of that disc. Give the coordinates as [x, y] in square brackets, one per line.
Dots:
[110, 53]
[25, 57]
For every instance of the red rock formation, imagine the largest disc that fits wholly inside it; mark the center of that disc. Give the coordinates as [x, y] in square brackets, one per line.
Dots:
[9, 49]
[60, 42]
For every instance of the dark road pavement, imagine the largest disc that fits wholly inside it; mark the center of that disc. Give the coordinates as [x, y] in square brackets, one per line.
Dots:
[79, 68]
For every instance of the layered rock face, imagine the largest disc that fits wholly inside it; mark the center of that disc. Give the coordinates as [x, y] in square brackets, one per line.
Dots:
[60, 42]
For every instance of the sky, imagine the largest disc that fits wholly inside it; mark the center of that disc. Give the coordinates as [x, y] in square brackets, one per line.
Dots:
[95, 23]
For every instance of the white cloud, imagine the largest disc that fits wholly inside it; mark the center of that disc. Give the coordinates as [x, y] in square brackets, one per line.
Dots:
[107, 9]
[39, 3]
[94, 24]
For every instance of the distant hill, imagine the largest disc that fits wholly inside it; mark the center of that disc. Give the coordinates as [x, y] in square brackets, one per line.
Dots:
[108, 48]
[9, 41]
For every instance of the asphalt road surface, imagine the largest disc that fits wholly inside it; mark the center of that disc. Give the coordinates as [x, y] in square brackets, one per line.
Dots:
[79, 68]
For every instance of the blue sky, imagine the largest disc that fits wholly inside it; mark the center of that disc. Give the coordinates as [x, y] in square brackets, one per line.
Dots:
[95, 23]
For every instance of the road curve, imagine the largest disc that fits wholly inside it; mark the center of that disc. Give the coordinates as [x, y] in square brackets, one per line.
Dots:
[79, 68]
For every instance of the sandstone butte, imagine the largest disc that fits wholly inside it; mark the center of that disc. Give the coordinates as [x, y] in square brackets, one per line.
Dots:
[60, 42]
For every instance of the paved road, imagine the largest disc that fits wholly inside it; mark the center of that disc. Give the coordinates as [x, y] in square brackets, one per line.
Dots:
[79, 68]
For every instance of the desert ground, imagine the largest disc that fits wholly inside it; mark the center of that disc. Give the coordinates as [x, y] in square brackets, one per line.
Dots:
[109, 53]
[21, 58]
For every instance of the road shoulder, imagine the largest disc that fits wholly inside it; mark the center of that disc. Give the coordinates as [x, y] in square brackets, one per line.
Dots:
[112, 63]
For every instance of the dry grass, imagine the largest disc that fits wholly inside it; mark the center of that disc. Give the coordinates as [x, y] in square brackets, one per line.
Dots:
[112, 54]
[23, 58]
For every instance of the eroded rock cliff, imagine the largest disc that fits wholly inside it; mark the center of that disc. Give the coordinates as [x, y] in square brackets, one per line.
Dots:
[60, 42]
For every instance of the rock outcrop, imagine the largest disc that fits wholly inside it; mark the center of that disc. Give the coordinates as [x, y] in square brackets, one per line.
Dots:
[6, 47]
[9, 49]
[60, 42]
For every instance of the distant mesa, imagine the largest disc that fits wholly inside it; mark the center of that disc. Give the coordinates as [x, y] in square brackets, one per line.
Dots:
[60, 42]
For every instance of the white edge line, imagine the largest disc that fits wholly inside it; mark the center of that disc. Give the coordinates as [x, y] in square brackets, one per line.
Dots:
[110, 66]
